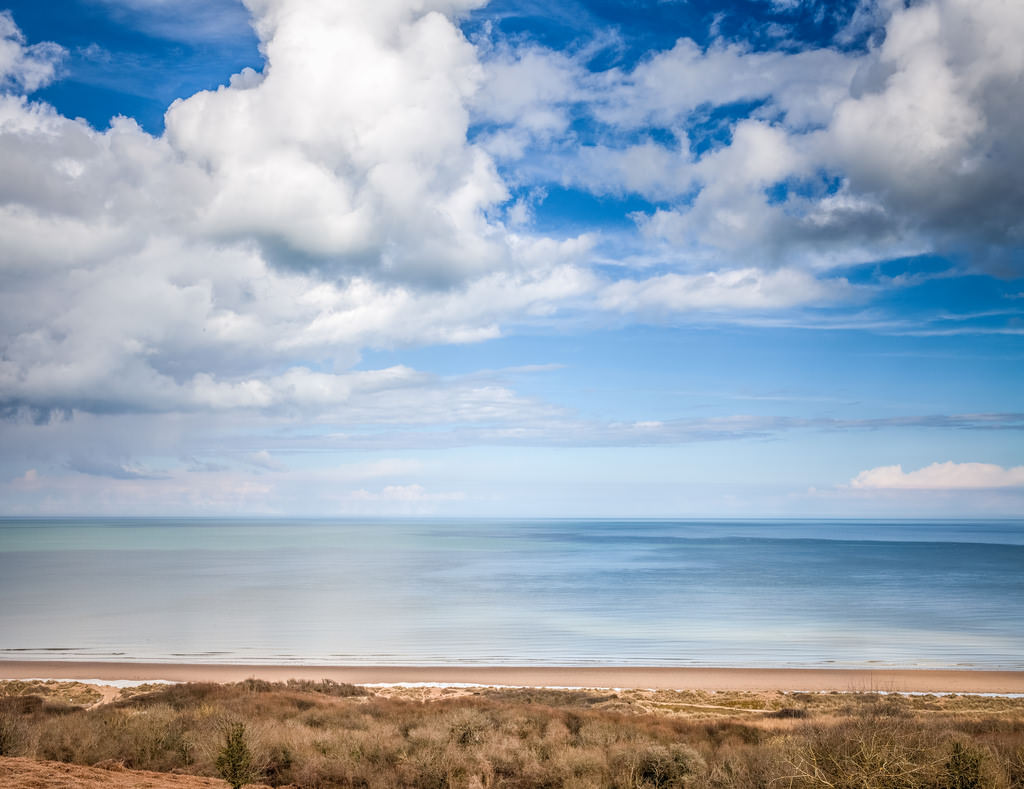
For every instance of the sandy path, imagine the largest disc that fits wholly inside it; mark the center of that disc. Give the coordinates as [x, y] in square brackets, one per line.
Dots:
[29, 774]
[108, 693]
[742, 679]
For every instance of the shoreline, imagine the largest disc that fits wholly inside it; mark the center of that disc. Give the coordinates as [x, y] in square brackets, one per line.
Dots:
[654, 678]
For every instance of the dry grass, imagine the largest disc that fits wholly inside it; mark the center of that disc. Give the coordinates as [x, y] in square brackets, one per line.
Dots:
[76, 693]
[329, 735]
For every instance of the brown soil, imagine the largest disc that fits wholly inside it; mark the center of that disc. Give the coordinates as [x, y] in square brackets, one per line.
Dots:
[29, 774]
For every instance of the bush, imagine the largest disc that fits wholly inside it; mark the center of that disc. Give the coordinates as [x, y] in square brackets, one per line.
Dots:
[869, 751]
[469, 728]
[327, 687]
[12, 733]
[963, 768]
[319, 735]
[788, 712]
[234, 763]
[662, 766]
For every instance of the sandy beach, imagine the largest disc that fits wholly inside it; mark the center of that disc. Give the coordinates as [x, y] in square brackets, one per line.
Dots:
[725, 679]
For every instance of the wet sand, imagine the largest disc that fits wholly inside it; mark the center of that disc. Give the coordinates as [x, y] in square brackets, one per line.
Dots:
[733, 679]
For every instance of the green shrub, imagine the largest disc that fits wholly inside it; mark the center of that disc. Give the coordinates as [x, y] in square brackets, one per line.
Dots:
[234, 763]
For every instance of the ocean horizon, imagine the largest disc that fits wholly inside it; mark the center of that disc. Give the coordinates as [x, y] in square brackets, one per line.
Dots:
[441, 591]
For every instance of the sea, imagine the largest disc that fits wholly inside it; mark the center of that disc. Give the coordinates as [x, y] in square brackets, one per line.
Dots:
[771, 593]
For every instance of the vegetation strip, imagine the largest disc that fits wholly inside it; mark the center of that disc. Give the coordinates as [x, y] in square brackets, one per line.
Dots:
[327, 734]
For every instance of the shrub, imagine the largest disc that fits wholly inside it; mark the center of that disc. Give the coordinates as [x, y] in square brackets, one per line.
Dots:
[278, 764]
[963, 768]
[234, 763]
[316, 736]
[469, 728]
[870, 751]
[788, 712]
[11, 733]
[661, 766]
[327, 687]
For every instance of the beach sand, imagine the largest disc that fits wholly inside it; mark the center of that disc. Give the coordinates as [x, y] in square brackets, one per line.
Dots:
[725, 679]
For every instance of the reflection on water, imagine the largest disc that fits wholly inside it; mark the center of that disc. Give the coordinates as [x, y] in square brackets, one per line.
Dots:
[515, 592]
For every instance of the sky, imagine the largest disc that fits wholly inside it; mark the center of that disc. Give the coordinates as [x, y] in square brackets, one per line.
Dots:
[599, 258]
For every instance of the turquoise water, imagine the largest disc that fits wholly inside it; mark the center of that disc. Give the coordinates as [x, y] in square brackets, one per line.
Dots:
[558, 592]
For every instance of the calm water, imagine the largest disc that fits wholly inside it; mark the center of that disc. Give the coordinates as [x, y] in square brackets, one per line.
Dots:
[515, 592]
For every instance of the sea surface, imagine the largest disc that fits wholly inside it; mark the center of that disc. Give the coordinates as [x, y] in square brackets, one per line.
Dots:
[503, 592]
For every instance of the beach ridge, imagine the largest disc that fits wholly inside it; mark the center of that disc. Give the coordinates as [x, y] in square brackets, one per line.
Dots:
[653, 677]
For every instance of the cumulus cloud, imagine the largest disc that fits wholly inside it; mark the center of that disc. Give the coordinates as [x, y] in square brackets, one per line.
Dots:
[830, 157]
[940, 476]
[664, 89]
[932, 123]
[336, 201]
[355, 193]
[528, 90]
[283, 223]
[263, 460]
[25, 67]
[351, 154]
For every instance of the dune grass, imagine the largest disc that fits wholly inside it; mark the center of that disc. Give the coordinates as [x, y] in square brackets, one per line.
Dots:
[324, 734]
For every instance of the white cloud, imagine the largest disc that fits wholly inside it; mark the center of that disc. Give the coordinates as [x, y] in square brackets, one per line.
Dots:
[738, 289]
[910, 147]
[27, 481]
[24, 67]
[333, 203]
[126, 494]
[664, 89]
[263, 460]
[351, 154]
[649, 169]
[940, 476]
[373, 469]
[932, 122]
[182, 20]
[405, 494]
[281, 224]
[529, 88]
[224, 492]
[228, 274]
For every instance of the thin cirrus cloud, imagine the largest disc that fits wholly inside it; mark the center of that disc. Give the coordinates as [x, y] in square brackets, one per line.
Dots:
[538, 427]
[206, 21]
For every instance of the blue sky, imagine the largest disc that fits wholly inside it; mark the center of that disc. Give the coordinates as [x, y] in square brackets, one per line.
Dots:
[659, 259]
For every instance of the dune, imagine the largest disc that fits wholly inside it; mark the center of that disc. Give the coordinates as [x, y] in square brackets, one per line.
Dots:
[726, 679]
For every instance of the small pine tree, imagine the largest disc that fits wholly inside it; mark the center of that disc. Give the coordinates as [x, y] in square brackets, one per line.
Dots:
[234, 763]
